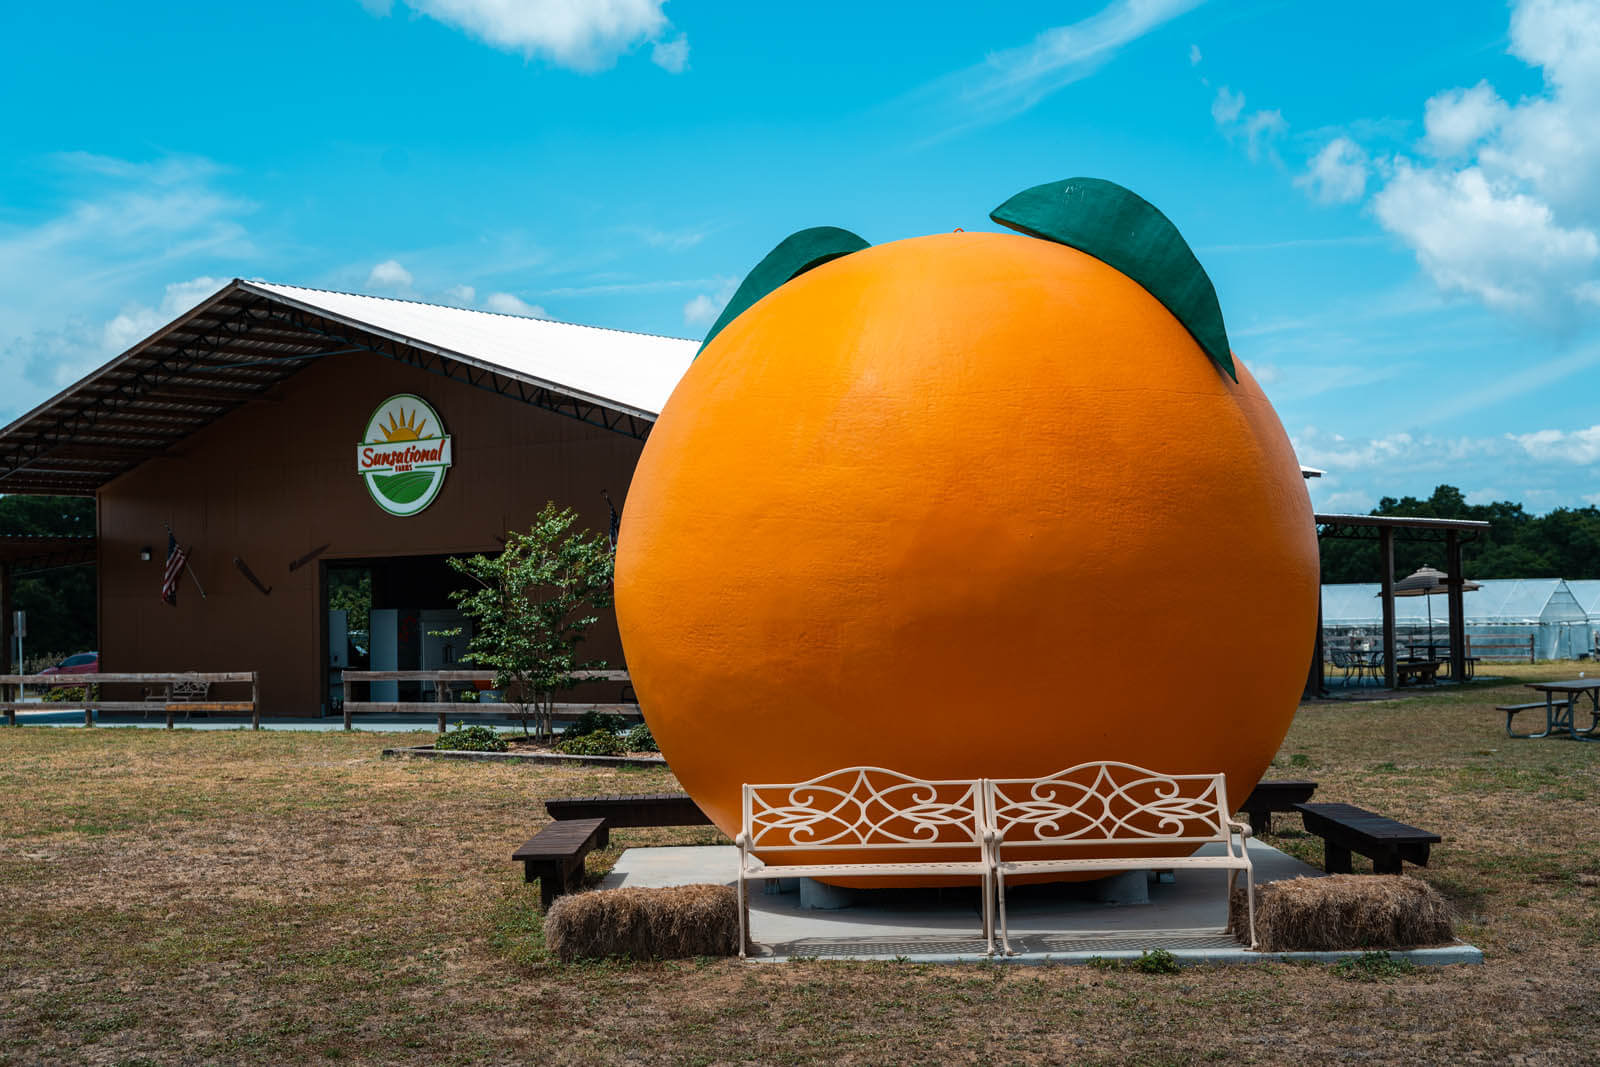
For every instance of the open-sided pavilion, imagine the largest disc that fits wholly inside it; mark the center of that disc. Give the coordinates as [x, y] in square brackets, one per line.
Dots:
[1383, 530]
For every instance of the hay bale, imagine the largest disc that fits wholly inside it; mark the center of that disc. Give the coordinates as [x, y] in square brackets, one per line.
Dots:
[1345, 911]
[642, 924]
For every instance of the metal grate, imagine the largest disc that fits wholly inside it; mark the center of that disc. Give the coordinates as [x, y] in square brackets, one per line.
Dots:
[1057, 944]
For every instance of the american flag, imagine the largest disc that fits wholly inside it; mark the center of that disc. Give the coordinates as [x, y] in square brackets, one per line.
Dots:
[177, 556]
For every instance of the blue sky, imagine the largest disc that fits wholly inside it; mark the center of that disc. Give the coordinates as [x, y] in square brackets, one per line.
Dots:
[1399, 203]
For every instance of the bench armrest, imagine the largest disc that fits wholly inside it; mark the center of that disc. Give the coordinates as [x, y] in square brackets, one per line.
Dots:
[1241, 828]
[742, 840]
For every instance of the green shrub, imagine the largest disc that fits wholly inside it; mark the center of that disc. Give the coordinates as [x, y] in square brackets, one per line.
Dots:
[595, 722]
[466, 738]
[62, 693]
[1373, 967]
[639, 739]
[1156, 961]
[598, 743]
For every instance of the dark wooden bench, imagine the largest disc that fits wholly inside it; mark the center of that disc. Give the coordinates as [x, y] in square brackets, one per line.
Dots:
[644, 809]
[555, 855]
[1345, 828]
[1425, 671]
[1268, 797]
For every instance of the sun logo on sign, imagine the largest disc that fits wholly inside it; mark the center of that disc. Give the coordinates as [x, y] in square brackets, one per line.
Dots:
[403, 455]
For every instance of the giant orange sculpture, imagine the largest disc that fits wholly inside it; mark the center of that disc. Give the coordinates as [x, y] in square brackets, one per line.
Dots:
[973, 504]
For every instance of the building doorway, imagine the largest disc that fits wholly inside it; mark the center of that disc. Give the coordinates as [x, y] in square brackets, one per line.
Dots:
[392, 614]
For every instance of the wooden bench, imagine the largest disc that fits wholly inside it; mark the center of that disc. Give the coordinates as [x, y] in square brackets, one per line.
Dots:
[1268, 797]
[864, 821]
[555, 855]
[1345, 828]
[648, 809]
[1417, 671]
[1151, 821]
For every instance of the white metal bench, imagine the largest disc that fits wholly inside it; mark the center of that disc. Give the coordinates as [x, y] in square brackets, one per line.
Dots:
[1147, 819]
[864, 821]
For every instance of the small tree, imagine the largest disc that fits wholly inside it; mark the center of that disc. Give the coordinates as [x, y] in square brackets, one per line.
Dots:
[533, 605]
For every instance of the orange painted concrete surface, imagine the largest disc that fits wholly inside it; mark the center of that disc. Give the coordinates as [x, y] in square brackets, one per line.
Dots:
[964, 505]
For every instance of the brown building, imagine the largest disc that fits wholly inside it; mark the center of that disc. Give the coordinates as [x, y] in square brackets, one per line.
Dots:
[241, 428]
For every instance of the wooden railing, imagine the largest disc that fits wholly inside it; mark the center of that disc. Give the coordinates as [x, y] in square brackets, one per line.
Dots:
[1496, 646]
[543, 709]
[164, 698]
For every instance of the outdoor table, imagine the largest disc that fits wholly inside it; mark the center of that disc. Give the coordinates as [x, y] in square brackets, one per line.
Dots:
[1558, 714]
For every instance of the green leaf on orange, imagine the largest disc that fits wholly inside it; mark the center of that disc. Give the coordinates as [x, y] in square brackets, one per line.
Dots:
[1126, 232]
[795, 254]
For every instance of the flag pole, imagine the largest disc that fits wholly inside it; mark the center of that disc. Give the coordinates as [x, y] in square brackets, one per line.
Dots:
[186, 565]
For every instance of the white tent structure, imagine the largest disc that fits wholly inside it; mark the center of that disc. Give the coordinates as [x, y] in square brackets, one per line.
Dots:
[1546, 608]
[1587, 593]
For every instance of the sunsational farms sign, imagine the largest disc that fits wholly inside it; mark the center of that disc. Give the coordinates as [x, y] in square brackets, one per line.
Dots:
[403, 455]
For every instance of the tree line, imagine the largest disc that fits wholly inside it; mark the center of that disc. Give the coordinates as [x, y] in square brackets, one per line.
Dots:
[1563, 543]
[60, 602]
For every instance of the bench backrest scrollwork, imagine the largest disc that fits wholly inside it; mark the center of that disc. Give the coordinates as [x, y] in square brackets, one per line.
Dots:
[865, 809]
[1096, 804]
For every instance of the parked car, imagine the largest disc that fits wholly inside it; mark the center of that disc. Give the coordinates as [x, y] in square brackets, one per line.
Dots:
[82, 663]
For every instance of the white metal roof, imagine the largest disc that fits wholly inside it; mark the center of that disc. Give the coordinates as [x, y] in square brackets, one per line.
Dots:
[248, 336]
[633, 372]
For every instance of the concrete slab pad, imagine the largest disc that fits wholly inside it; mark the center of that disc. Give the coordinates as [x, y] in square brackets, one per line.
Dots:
[1056, 923]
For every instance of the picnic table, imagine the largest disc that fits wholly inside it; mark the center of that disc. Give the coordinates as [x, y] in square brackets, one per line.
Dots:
[1559, 713]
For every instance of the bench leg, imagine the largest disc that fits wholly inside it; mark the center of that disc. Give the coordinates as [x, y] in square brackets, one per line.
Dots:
[1260, 822]
[744, 912]
[1387, 862]
[1335, 858]
[1005, 929]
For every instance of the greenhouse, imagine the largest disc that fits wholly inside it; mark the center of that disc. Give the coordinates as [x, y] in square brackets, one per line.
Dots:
[1547, 609]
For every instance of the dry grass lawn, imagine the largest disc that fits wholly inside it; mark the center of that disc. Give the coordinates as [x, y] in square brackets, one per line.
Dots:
[238, 897]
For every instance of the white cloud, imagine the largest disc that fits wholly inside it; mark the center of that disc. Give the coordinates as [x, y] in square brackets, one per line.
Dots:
[704, 308]
[1010, 82]
[671, 56]
[1226, 107]
[1506, 205]
[1488, 239]
[135, 322]
[76, 285]
[1258, 128]
[461, 295]
[507, 304]
[1457, 120]
[1194, 55]
[585, 35]
[1337, 174]
[1563, 446]
[390, 275]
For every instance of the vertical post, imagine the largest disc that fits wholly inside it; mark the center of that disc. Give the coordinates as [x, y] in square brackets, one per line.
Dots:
[441, 722]
[1386, 591]
[6, 608]
[1316, 684]
[255, 703]
[1453, 578]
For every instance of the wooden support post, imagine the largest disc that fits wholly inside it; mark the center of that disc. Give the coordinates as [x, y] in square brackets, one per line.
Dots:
[441, 722]
[88, 716]
[6, 634]
[255, 703]
[1386, 590]
[169, 716]
[1453, 598]
[347, 724]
